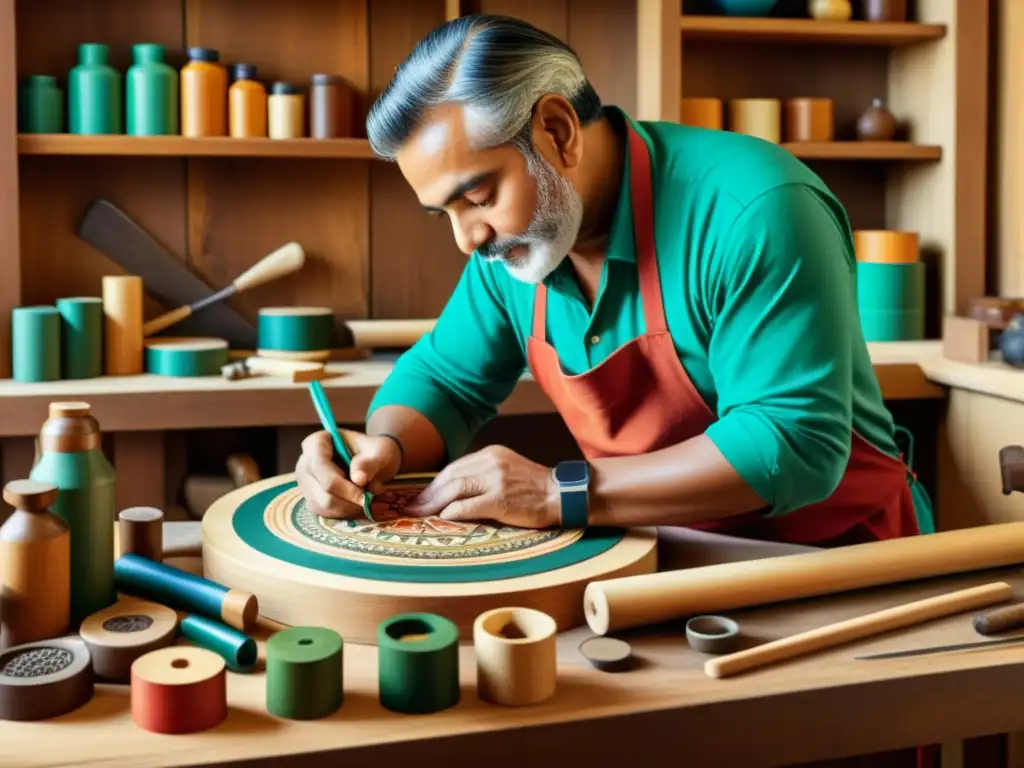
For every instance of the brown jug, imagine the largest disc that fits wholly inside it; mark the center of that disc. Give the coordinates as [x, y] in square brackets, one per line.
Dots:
[877, 123]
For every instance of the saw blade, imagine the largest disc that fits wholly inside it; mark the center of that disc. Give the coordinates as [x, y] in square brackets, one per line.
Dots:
[942, 649]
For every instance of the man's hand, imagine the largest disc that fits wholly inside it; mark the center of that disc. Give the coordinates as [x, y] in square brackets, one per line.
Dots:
[375, 461]
[494, 484]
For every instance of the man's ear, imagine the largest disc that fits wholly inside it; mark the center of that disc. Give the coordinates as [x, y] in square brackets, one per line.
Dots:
[557, 132]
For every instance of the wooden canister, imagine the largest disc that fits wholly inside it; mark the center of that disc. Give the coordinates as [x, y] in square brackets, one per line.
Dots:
[757, 117]
[809, 120]
[882, 246]
[701, 113]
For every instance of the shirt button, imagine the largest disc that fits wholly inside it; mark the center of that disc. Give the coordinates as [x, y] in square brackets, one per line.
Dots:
[595, 339]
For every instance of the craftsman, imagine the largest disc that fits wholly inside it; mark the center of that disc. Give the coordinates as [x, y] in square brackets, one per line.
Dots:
[685, 298]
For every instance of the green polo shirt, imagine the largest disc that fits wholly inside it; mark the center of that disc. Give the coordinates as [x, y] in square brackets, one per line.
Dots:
[757, 274]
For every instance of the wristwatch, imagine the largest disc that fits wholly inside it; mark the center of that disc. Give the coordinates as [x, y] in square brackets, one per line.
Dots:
[573, 481]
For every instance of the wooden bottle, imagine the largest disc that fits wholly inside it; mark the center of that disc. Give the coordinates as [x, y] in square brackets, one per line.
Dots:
[72, 458]
[35, 566]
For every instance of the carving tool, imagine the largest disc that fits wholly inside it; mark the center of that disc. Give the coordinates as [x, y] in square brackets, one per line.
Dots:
[166, 278]
[941, 649]
[283, 261]
[342, 455]
[1000, 619]
[870, 624]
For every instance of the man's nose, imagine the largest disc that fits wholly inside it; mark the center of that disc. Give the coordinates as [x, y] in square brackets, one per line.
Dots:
[470, 233]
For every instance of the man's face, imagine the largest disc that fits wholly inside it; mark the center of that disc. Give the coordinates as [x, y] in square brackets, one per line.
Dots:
[504, 205]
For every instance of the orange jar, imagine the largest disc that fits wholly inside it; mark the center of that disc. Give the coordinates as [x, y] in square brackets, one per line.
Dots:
[204, 94]
[247, 104]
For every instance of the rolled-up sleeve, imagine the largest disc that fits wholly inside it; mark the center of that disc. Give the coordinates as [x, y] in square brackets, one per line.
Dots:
[458, 374]
[785, 314]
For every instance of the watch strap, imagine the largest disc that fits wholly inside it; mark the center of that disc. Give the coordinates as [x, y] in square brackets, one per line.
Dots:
[575, 507]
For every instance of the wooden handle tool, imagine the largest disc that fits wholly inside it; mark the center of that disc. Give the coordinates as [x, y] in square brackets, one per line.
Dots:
[876, 623]
[1000, 619]
[285, 260]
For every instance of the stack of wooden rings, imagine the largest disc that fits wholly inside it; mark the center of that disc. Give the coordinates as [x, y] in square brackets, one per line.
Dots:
[516, 656]
[418, 663]
[890, 285]
[295, 333]
[121, 633]
[44, 679]
[179, 689]
[809, 120]
[186, 356]
[304, 673]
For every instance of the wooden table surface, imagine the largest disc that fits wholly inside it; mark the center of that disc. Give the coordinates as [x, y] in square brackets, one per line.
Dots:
[665, 712]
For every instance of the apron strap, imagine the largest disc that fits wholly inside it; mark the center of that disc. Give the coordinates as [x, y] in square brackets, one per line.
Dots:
[540, 312]
[642, 200]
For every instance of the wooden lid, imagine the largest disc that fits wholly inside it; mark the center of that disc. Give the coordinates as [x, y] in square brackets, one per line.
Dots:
[30, 495]
[141, 514]
[69, 409]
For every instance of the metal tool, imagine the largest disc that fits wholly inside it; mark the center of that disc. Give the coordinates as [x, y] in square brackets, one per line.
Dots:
[942, 649]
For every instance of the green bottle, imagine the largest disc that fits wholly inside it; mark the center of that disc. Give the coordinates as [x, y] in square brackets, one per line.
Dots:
[152, 87]
[94, 93]
[40, 105]
[72, 458]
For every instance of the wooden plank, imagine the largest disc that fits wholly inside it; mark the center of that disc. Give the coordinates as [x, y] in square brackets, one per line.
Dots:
[777, 30]
[239, 210]
[139, 464]
[603, 34]
[10, 246]
[1008, 167]
[180, 146]
[659, 60]
[862, 150]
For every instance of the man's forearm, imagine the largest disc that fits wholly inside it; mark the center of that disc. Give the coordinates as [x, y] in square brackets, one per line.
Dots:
[422, 444]
[680, 485]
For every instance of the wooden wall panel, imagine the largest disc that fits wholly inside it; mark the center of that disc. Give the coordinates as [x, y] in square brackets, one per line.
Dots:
[239, 210]
[603, 34]
[550, 15]
[1007, 251]
[10, 254]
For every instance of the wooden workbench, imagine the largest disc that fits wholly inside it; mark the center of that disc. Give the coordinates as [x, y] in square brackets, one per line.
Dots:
[667, 712]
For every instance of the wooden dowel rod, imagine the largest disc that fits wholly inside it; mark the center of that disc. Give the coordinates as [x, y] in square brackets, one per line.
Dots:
[854, 629]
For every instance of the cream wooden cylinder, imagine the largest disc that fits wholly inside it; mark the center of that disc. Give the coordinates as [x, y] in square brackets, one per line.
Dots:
[516, 656]
[757, 117]
[123, 337]
[810, 120]
[701, 112]
[883, 246]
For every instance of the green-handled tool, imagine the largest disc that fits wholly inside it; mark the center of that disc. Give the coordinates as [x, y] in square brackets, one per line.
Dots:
[342, 455]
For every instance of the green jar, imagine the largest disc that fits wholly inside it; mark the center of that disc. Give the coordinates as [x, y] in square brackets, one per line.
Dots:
[72, 458]
[95, 103]
[152, 93]
[40, 105]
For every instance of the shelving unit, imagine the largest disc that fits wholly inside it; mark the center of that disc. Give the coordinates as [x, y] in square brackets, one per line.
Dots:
[933, 182]
[178, 146]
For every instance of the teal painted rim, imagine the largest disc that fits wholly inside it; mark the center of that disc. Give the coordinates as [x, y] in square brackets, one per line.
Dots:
[438, 633]
[249, 526]
[295, 333]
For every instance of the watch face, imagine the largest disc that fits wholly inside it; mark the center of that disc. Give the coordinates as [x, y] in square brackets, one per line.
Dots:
[571, 472]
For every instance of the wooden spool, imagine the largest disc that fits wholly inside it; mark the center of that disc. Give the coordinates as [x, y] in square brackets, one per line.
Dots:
[140, 530]
[305, 667]
[186, 356]
[516, 656]
[351, 575]
[295, 333]
[810, 120]
[118, 635]
[44, 679]
[418, 663]
[881, 246]
[180, 689]
[701, 113]
[757, 117]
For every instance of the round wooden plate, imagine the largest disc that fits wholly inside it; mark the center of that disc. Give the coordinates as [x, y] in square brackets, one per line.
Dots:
[350, 575]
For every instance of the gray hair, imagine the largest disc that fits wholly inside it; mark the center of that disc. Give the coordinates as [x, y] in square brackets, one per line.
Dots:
[496, 66]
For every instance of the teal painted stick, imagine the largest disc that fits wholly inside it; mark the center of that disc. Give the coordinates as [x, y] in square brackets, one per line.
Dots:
[238, 650]
[323, 410]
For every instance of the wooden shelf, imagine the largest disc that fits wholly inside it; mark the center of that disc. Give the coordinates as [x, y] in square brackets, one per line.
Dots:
[180, 146]
[774, 30]
[863, 150]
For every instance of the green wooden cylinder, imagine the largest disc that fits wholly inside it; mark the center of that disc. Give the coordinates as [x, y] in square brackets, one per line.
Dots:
[304, 673]
[95, 91]
[35, 344]
[892, 324]
[237, 649]
[186, 356]
[418, 663]
[81, 337]
[40, 105]
[891, 286]
[152, 93]
[295, 329]
[72, 458]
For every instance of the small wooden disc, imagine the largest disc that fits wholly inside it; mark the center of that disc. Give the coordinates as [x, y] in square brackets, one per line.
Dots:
[44, 679]
[607, 653]
[881, 246]
[31, 495]
[180, 689]
[121, 633]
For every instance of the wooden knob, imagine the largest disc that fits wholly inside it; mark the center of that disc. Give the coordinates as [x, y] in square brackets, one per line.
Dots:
[30, 495]
[68, 410]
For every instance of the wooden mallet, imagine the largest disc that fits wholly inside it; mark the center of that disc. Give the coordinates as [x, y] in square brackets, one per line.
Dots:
[285, 260]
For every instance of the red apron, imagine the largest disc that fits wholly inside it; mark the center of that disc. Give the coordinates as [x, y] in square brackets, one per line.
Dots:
[640, 399]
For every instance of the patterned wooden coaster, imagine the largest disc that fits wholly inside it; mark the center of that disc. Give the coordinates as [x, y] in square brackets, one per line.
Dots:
[44, 679]
[118, 635]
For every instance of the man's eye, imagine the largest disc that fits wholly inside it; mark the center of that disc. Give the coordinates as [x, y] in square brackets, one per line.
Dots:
[479, 197]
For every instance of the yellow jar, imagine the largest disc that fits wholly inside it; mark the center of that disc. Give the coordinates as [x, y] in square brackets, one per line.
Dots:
[286, 112]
